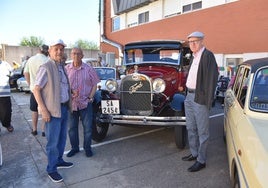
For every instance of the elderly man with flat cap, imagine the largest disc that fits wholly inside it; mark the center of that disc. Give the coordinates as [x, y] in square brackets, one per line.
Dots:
[52, 93]
[201, 84]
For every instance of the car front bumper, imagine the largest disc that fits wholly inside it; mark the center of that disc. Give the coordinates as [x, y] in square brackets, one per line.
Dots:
[143, 120]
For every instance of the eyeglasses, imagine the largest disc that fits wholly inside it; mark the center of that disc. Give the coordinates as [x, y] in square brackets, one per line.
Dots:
[74, 53]
[194, 41]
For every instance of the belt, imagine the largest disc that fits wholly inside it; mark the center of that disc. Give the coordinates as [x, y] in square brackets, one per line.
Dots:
[65, 103]
[191, 90]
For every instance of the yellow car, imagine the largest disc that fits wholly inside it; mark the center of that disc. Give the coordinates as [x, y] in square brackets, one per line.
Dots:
[246, 125]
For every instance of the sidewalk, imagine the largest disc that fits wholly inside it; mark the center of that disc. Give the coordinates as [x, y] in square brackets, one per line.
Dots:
[24, 158]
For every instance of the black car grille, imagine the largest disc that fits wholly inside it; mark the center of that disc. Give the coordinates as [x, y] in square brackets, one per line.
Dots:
[136, 96]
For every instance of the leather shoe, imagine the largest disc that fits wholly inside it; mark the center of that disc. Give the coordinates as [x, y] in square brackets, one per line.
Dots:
[89, 153]
[188, 158]
[196, 167]
[72, 153]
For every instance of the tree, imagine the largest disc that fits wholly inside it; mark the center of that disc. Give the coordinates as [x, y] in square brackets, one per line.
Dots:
[87, 45]
[32, 41]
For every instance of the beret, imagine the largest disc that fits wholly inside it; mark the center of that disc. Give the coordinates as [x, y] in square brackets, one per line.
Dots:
[197, 34]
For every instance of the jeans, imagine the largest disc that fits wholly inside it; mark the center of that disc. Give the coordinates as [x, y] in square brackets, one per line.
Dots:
[86, 116]
[56, 134]
[197, 124]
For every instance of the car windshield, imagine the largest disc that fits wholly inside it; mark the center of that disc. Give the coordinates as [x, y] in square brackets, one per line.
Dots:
[157, 53]
[259, 96]
[105, 73]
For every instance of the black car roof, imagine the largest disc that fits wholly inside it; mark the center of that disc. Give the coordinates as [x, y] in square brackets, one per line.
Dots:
[255, 64]
[152, 43]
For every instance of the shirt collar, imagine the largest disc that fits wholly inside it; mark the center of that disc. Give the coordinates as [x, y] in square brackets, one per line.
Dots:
[73, 67]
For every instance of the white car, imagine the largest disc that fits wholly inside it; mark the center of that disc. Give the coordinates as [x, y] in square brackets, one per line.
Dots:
[92, 61]
[22, 85]
[105, 73]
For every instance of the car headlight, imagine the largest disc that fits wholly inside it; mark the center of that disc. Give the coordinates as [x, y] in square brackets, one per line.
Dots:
[111, 85]
[159, 85]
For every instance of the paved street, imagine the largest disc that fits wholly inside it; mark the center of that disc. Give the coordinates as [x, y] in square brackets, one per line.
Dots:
[128, 157]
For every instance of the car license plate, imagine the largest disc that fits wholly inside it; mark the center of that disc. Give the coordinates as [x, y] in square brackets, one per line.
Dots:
[110, 107]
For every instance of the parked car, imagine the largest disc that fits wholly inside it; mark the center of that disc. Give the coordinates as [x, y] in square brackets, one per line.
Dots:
[14, 76]
[151, 93]
[22, 85]
[221, 88]
[246, 125]
[104, 74]
[92, 61]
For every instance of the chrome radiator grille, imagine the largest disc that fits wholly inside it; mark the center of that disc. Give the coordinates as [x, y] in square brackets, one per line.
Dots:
[136, 96]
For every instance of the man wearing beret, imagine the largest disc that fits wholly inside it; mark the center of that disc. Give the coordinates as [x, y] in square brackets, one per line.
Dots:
[201, 84]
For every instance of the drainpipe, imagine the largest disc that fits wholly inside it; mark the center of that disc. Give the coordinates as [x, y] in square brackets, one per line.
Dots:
[103, 37]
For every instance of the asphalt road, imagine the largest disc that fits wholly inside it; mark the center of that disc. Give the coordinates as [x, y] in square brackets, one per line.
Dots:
[128, 157]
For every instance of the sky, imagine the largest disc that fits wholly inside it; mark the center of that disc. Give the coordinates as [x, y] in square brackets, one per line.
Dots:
[69, 20]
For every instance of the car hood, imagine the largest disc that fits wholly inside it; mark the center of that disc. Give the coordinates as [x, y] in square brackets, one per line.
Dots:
[156, 71]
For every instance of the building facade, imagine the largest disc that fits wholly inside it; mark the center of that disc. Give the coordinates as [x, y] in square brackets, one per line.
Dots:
[235, 30]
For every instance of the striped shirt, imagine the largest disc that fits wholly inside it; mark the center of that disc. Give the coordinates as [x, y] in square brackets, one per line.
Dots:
[82, 80]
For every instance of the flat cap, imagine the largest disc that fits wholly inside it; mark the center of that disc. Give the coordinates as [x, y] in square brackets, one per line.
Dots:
[197, 34]
[56, 42]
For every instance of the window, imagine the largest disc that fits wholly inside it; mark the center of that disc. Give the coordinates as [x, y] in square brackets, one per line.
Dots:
[232, 63]
[116, 23]
[259, 98]
[197, 5]
[187, 8]
[241, 85]
[144, 17]
[191, 7]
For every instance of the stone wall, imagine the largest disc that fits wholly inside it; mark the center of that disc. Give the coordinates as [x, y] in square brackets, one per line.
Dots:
[18, 53]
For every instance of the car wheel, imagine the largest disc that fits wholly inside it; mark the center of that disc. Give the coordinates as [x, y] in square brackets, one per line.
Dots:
[180, 136]
[99, 129]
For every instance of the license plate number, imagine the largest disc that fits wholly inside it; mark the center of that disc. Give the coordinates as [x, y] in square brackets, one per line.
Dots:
[110, 107]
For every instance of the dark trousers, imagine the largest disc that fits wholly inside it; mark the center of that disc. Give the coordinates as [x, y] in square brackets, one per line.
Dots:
[5, 111]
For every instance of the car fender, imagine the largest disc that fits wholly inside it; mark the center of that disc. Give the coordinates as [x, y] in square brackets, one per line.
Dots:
[177, 102]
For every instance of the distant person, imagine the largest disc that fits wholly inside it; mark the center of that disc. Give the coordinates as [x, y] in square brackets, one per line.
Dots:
[53, 95]
[64, 58]
[201, 84]
[5, 93]
[30, 71]
[101, 62]
[15, 65]
[23, 64]
[83, 79]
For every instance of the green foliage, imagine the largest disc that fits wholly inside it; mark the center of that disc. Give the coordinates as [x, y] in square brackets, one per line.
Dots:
[32, 41]
[87, 45]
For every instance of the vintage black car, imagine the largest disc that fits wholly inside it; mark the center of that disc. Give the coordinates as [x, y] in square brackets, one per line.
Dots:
[151, 93]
